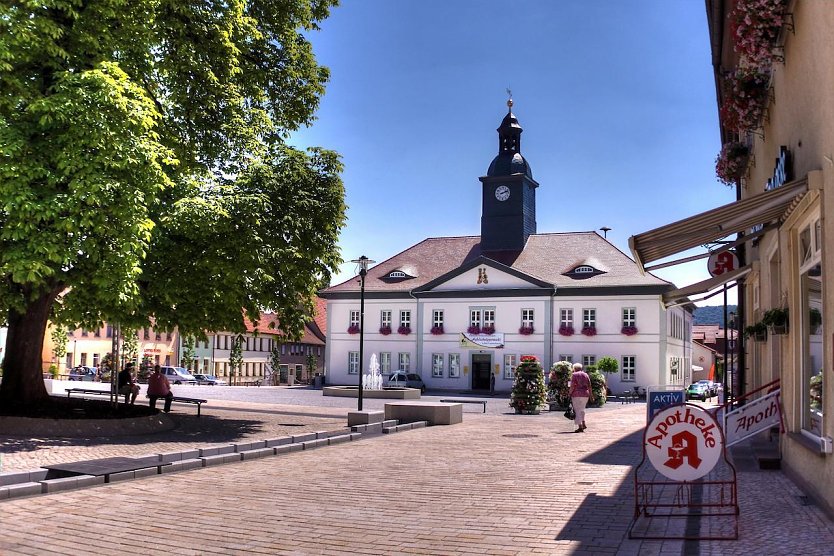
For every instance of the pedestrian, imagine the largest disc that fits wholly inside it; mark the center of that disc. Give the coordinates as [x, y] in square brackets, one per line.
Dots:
[580, 393]
[127, 385]
[159, 387]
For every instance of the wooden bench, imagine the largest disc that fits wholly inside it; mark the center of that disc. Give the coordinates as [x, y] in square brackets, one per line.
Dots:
[88, 391]
[179, 399]
[466, 401]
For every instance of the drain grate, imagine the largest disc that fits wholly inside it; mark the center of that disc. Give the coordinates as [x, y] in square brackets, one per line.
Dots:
[520, 435]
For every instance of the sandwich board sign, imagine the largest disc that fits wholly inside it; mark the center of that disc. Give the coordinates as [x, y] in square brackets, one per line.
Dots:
[683, 442]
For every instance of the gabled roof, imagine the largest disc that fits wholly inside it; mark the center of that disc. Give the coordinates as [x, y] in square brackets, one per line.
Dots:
[268, 324]
[545, 257]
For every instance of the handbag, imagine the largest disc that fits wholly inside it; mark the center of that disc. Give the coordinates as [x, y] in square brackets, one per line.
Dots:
[570, 413]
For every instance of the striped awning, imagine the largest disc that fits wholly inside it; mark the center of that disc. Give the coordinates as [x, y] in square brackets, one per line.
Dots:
[715, 224]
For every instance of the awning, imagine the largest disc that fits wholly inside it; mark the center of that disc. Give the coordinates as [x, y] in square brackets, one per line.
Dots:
[715, 224]
[682, 294]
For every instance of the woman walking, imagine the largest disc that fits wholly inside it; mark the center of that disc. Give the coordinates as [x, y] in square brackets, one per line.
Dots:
[580, 393]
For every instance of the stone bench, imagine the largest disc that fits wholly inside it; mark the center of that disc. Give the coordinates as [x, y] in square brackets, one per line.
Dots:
[433, 413]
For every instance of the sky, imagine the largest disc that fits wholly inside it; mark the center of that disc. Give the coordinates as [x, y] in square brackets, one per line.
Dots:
[616, 99]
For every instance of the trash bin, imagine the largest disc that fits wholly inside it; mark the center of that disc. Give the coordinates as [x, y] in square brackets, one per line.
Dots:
[317, 382]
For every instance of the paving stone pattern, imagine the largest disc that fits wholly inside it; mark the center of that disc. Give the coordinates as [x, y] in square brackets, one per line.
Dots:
[497, 484]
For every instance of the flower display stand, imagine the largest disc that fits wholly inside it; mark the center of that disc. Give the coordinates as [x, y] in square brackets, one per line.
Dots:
[528, 392]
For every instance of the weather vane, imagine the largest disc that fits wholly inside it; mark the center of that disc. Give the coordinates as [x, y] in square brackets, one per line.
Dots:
[510, 99]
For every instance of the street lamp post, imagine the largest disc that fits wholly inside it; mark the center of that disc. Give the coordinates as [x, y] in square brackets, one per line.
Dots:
[363, 263]
[729, 338]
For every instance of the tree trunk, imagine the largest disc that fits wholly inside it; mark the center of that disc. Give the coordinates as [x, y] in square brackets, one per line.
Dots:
[23, 365]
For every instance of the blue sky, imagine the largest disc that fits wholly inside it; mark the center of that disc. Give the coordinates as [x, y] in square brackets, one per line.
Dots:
[616, 98]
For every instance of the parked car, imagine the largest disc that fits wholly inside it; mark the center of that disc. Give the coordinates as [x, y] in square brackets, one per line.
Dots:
[402, 379]
[82, 372]
[712, 387]
[210, 380]
[178, 375]
[698, 391]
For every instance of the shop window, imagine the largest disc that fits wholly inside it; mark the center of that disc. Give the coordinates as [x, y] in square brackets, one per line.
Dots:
[437, 365]
[812, 348]
[454, 365]
[510, 364]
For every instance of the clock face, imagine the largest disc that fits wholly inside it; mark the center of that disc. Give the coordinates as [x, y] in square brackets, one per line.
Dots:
[502, 193]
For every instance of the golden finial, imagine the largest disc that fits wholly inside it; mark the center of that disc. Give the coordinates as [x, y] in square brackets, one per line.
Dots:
[509, 100]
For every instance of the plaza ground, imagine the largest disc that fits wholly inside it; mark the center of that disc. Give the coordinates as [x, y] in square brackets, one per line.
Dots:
[498, 483]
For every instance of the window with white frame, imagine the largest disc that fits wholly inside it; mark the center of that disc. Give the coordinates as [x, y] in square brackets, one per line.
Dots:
[588, 360]
[566, 357]
[629, 316]
[454, 365]
[566, 317]
[489, 318]
[437, 365]
[354, 318]
[510, 363]
[385, 318]
[589, 318]
[482, 316]
[437, 318]
[628, 368]
[405, 319]
[475, 317]
[353, 362]
[385, 362]
[404, 361]
[527, 318]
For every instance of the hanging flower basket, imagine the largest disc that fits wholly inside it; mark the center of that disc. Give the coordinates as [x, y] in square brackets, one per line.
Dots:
[474, 329]
[777, 320]
[589, 331]
[629, 330]
[437, 330]
[488, 330]
[757, 331]
[566, 330]
[525, 330]
[755, 26]
[404, 330]
[732, 162]
[353, 329]
[745, 101]
[385, 330]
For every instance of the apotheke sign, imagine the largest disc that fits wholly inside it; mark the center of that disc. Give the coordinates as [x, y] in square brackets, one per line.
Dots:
[684, 442]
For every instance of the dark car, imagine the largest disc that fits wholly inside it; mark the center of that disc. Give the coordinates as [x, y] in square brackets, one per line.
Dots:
[211, 380]
[402, 379]
[712, 388]
[697, 391]
[83, 372]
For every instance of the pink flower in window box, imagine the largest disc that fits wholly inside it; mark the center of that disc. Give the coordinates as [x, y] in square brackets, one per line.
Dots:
[566, 330]
[589, 330]
[525, 330]
[474, 329]
[404, 330]
[488, 330]
[629, 330]
[353, 329]
[385, 330]
[437, 330]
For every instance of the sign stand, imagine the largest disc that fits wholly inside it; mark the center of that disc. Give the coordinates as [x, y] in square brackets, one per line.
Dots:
[685, 488]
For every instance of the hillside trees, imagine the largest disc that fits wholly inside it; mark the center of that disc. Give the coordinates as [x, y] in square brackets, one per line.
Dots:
[144, 172]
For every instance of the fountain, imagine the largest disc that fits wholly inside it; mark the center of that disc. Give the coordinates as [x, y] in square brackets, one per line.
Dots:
[372, 386]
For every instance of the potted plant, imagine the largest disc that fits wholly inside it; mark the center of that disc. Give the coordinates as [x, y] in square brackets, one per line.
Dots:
[629, 330]
[385, 329]
[488, 329]
[815, 319]
[525, 330]
[757, 331]
[777, 320]
[558, 385]
[437, 330]
[566, 330]
[474, 329]
[731, 163]
[528, 391]
[404, 330]
[353, 329]
[589, 330]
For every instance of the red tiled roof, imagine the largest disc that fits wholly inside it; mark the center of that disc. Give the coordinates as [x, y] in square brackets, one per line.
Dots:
[321, 315]
[268, 324]
[545, 256]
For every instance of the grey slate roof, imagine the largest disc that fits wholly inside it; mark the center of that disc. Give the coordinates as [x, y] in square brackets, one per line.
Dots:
[546, 257]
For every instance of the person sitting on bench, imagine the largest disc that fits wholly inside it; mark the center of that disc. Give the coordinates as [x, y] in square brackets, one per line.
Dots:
[159, 387]
[127, 385]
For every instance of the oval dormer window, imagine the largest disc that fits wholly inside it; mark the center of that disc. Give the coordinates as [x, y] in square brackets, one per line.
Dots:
[585, 269]
[396, 274]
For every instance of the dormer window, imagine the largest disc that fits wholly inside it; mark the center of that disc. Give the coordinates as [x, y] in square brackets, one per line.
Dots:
[584, 269]
[396, 274]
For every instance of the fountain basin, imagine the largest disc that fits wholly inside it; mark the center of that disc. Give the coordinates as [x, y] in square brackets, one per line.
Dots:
[385, 393]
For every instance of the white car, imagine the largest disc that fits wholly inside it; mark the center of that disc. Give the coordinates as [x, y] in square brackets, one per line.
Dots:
[402, 379]
[210, 380]
[178, 375]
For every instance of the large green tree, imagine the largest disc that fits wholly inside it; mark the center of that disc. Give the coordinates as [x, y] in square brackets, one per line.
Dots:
[144, 172]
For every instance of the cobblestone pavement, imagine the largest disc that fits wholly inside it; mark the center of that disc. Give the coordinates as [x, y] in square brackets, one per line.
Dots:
[497, 484]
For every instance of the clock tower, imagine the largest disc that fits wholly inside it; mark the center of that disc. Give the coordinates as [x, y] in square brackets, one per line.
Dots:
[508, 213]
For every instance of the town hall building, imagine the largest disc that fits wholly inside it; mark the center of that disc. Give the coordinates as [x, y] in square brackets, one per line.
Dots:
[461, 311]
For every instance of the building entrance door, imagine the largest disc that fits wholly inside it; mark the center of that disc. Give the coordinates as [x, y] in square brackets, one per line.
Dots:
[481, 369]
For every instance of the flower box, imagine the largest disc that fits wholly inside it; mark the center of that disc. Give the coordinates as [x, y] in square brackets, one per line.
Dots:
[474, 329]
[754, 27]
[757, 331]
[437, 330]
[629, 330]
[589, 331]
[353, 329]
[385, 330]
[404, 330]
[488, 330]
[745, 100]
[566, 330]
[525, 330]
[731, 163]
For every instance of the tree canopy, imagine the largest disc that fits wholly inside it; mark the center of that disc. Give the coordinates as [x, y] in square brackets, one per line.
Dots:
[144, 171]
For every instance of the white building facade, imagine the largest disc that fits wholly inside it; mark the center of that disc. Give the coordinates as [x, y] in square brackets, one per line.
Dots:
[461, 311]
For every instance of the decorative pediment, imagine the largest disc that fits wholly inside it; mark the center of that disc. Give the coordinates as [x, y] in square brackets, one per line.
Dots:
[483, 273]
